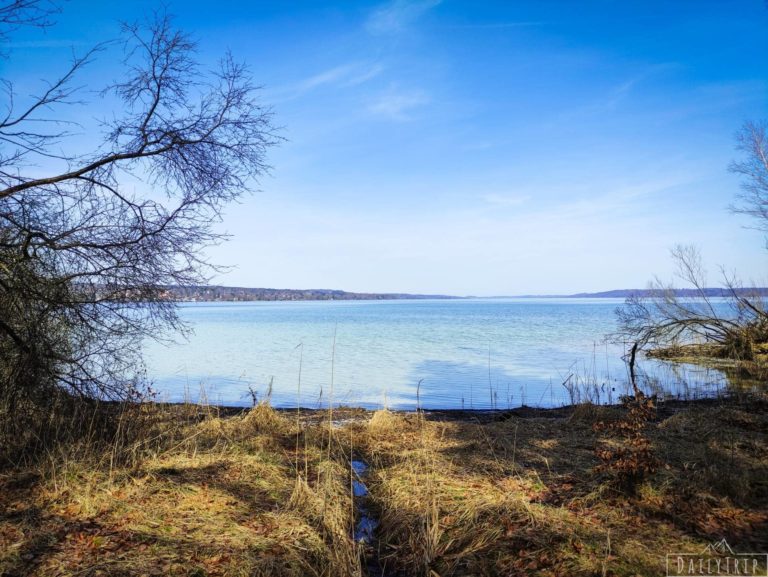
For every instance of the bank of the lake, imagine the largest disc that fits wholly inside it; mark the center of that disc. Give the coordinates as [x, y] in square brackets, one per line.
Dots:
[203, 491]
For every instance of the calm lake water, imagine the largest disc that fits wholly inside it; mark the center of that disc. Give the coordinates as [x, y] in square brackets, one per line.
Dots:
[480, 353]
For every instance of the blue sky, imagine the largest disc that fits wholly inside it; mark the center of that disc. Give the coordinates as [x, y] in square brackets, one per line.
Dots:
[484, 148]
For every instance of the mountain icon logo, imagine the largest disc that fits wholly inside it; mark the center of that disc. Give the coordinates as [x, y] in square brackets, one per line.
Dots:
[720, 547]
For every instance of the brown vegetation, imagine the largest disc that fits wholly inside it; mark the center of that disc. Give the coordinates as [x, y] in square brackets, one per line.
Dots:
[627, 453]
[194, 491]
[204, 495]
[526, 496]
[91, 488]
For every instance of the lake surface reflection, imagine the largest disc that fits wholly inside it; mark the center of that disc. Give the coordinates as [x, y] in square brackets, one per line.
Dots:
[473, 353]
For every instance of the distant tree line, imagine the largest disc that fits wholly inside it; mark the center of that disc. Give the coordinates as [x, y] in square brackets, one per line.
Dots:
[224, 293]
[715, 292]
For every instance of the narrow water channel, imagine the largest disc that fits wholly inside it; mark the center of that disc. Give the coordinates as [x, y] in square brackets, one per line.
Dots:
[366, 523]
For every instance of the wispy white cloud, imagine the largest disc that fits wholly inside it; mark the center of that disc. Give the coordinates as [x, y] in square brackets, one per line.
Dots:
[365, 75]
[330, 76]
[397, 105]
[397, 15]
[610, 99]
[349, 74]
[498, 25]
[618, 92]
[613, 98]
[505, 199]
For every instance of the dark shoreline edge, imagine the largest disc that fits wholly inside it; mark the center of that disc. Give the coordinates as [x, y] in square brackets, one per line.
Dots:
[665, 407]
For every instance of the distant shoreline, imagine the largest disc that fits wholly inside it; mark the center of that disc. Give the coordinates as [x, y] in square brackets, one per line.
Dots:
[626, 293]
[244, 294]
[217, 293]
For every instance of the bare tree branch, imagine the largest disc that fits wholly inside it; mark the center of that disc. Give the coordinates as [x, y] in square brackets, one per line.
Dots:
[753, 200]
[86, 260]
[15, 14]
[663, 318]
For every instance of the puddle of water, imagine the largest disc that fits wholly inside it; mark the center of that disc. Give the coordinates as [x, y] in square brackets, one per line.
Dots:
[359, 489]
[365, 527]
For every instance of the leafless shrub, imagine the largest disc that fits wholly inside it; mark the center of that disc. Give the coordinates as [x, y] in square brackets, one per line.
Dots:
[734, 318]
[626, 451]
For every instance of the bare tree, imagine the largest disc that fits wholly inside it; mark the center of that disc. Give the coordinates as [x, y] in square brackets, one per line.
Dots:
[753, 200]
[734, 319]
[89, 242]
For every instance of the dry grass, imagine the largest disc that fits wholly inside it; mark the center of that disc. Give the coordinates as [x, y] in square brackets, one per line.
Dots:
[522, 496]
[258, 493]
[221, 497]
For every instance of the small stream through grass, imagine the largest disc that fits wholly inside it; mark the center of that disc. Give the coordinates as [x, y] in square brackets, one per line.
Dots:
[366, 524]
